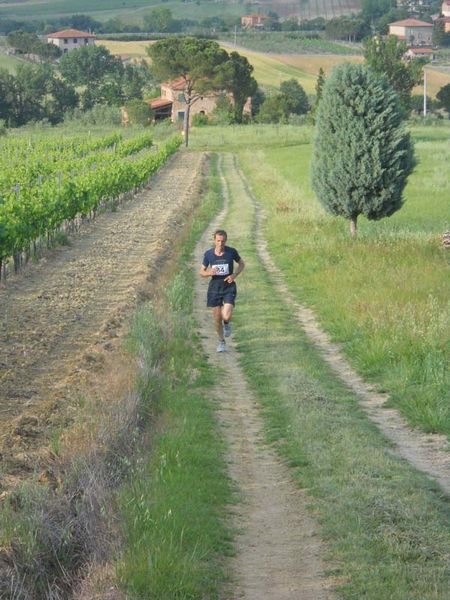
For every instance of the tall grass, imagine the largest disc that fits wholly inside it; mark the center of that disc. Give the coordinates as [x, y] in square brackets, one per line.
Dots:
[385, 296]
[174, 505]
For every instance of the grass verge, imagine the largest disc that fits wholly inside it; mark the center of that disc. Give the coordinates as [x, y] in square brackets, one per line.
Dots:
[386, 526]
[174, 505]
[384, 297]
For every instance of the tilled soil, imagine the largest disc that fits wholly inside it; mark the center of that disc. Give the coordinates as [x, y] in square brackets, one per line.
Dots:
[60, 318]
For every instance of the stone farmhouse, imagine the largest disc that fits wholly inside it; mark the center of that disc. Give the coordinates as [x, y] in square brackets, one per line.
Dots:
[254, 21]
[412, 31]
[172, 104]
[71, 39]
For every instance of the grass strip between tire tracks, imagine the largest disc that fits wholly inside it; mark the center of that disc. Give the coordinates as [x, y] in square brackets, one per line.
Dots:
[174, 505]
[385, 524]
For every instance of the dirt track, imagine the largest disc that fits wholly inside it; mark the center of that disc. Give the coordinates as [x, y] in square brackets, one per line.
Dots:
[62, 316]
[279, 554]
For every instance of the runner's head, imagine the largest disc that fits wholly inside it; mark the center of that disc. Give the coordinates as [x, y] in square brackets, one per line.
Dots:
[220, 232]
[220, 238]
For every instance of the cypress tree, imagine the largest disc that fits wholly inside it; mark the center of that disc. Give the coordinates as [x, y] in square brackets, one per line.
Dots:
[362, 154]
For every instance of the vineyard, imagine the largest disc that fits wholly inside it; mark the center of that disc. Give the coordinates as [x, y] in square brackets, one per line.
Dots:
[49, 185]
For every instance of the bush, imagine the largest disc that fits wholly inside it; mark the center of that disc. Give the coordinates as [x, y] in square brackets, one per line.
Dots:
[139, 112]
[98, 115]
[200, 120]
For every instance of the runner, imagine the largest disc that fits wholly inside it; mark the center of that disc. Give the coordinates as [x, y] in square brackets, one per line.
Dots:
[218, 264]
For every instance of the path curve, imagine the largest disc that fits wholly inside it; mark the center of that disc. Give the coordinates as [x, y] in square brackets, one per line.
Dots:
[429, 453]
[279, 552]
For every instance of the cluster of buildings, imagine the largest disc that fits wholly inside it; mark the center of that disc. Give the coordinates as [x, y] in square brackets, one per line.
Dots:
[417, 35]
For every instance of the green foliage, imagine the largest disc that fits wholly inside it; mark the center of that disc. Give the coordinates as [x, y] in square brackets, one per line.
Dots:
[443, 97]
[282, 42]
[274, 109]
[89, 65]
[385, 56]
[200, 120]
[239, 81]
[352, 29]
[161, 20]
[296, 99]
[362, 156]
[39, 206]
[139, 112]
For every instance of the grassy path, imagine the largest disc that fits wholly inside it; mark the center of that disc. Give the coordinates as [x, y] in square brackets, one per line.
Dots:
[427, 452]
[279, 554]
[386, 526]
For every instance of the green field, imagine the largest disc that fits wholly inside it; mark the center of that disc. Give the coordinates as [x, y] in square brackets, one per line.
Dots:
[383, 297]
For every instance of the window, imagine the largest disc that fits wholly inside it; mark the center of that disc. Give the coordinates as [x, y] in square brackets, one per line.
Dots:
[180, 115]
[75, 40]
[86, 40]
[181, 98]
[66, 41]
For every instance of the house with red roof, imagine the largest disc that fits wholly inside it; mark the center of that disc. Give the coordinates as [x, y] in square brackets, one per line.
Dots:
[71, 39]
[414, 32]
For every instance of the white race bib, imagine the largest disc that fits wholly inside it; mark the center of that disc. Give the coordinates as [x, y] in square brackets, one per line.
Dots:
[223, 270]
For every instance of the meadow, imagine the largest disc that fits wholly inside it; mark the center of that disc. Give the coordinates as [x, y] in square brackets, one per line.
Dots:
[384, 296]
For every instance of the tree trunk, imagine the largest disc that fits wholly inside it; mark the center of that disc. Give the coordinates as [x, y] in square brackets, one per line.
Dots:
[353, 227]
[186, 123]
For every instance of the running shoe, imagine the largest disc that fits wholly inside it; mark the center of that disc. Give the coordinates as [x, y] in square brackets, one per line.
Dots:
[221, 346]
[227, 329]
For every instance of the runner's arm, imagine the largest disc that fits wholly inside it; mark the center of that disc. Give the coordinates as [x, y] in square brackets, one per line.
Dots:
[240, 268]
[207, 271]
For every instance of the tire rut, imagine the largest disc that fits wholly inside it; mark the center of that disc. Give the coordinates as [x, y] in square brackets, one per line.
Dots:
[61, 315]
[428, 453]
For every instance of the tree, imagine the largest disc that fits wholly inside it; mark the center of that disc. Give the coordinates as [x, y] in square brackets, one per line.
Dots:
[88, 65]
[240, 82]
[362, 155]
[274, 109]
[319, 87]
[160, 19]
[139, 112]
[385, 56]
[443, 96]
[296, 98]
[199, 63]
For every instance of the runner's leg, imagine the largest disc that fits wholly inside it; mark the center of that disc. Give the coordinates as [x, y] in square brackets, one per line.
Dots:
[217, 316]
[227, 311]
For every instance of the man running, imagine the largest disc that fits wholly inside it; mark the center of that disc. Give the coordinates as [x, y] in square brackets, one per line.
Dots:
[218, 264]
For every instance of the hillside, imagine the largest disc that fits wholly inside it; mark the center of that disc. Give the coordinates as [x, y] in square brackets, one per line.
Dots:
[133, 10]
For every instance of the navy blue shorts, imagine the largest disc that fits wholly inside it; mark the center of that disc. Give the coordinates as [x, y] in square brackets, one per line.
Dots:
[220, 293]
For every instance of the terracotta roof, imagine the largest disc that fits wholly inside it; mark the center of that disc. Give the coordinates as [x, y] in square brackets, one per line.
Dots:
[411, 23]
[177, 84]
[71, 33]
[160, 102]
[421, 50]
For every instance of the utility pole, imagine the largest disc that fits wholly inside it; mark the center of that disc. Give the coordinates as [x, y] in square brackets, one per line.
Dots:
[424, 92]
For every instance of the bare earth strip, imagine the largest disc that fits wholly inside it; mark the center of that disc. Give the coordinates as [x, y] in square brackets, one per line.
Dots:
[61, 317]
[429, 453]
[279, 553]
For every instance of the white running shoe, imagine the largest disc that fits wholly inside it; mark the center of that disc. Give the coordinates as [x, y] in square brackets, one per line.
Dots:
[221, 346]
[227, 329]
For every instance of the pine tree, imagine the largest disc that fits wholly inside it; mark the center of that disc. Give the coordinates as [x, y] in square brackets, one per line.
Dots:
[362, 155]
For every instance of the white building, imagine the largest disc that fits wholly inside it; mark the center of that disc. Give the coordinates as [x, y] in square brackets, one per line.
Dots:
[71, 39]
[445, 10]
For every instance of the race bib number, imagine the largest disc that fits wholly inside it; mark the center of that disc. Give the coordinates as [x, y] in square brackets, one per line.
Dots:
[222, 270]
